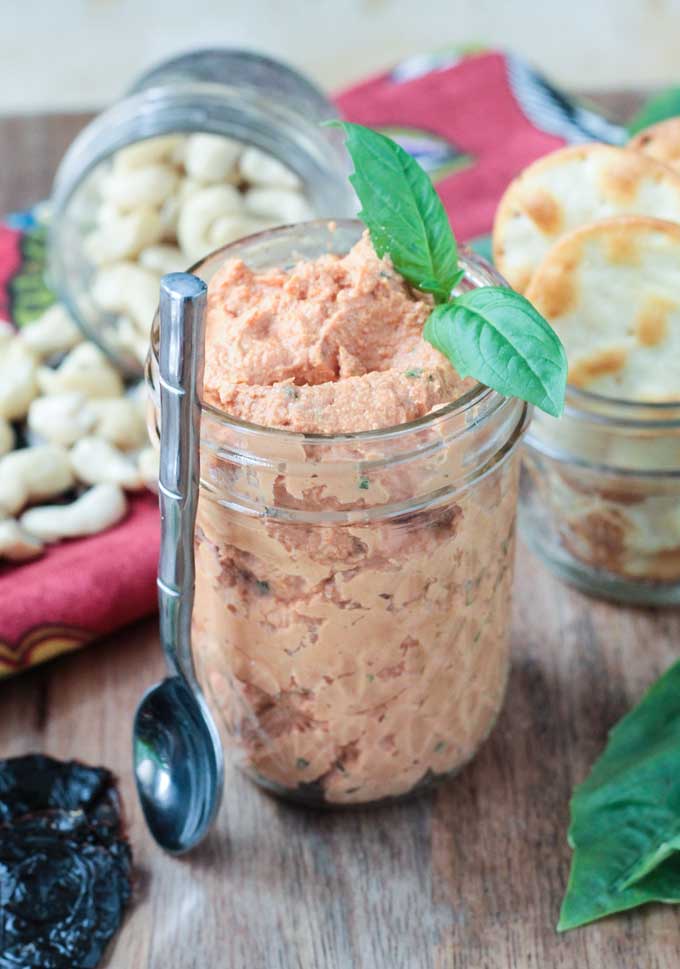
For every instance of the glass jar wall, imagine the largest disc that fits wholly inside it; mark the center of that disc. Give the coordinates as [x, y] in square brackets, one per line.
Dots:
[601, 496]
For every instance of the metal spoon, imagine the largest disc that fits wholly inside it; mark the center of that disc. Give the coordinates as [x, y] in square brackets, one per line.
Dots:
[176, 748]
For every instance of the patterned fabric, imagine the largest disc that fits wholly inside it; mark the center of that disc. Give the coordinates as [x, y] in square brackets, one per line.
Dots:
[78, 590]
[473, 119]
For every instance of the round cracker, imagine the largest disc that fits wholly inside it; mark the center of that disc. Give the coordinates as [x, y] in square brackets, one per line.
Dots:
[611, 291]
[570, 188]
[660, 141]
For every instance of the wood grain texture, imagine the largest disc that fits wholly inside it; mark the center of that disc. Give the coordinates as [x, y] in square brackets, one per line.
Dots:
[468, 877]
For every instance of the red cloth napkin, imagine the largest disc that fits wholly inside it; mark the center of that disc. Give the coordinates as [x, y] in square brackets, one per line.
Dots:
[467, 120]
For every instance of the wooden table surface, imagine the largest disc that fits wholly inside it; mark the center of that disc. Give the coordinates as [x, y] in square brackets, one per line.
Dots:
[468, 877]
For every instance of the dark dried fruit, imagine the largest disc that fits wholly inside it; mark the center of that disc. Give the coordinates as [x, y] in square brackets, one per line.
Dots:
[39, 783]
[64, 865]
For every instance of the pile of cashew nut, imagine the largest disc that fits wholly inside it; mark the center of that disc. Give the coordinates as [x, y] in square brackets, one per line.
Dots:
[72, 438]
[165, 203]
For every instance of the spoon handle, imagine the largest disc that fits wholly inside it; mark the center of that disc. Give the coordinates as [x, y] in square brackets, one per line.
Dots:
[182, 307]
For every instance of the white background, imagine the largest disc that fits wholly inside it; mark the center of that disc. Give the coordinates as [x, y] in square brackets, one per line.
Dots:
[82, 53]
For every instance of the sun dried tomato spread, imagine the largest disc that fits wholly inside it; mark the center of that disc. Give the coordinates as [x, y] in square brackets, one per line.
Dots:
[333, 345]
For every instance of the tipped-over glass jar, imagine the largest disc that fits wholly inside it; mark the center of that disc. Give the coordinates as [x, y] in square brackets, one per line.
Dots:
[352, 608]
[600, 496]
[139, 193]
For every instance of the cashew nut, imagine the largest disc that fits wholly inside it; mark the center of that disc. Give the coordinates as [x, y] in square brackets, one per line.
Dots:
[170, 209]
[13, 494]
[261, 169]
[85, 369]
[169, 216]
[189, 187]
[132, 188]
[162, 259]
[148, 462]
[120, 421]
[198, 215]
[107, 213]
[141, 398]
[229, 228]
[277, 203]
[148, 152]
[96, 509]
[179, 151]
[16, 544]
[123, 237]
[33, 474]
[53, 332]
[127, 288]
[18, 383]
[128, 338]
[61, 418]
[95, 461]
[211, 158]
[6, 436]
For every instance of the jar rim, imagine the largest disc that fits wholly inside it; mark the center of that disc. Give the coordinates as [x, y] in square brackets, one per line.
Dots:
[586, 405]
[255, 70]
[479, 394]
[168, 109]
[459, 406]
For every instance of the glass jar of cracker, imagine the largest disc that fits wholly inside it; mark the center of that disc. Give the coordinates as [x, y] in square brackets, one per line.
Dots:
[602, 484]
[600, 496]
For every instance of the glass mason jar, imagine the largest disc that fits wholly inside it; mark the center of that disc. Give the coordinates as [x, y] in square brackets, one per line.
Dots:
[351, 617]
[242, 95]
[600, 496]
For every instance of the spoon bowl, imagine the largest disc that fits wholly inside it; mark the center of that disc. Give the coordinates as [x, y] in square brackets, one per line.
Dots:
[177, 763]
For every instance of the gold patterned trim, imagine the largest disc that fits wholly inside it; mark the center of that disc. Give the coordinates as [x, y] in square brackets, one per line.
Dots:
[39, 645]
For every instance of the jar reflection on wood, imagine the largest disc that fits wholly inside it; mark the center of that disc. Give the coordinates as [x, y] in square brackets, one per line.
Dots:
[353, 592]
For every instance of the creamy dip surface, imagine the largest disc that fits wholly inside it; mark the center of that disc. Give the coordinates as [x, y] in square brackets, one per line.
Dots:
[348, 660]
[332, 345]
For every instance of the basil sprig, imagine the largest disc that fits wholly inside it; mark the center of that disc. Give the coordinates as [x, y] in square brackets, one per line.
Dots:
[492, 334]
[496, 336]
[403, 212]
[625, 817]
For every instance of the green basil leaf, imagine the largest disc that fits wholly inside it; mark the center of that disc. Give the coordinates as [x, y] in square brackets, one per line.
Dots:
[659, 108]
[496, 336]
[402, 211]
[625, 817]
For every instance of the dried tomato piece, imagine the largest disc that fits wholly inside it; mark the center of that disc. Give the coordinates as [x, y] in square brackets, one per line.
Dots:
[65, 869]
[37, 783]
